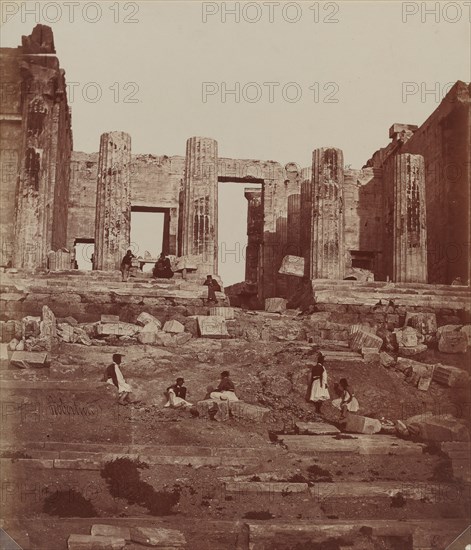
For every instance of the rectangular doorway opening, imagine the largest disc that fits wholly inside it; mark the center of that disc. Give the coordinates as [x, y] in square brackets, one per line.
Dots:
[232, 227]
[84, 249]
[149, 233]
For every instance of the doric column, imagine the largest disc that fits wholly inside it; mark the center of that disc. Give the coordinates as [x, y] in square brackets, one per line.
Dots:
[293, 247]
[327, 259]
[306, 218]
[113, 201]
[200, 195]
[410, 229]
[254, 232]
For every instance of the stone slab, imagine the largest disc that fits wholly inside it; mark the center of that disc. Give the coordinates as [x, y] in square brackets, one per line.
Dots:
[90, 542]
[226, 312]
[173, 327]
[77, 464]
[29, 359]
[158, 537]
[261, 487]
[275, 305]
[246, 411]
[212, 326]
[292, 265]
[359, 444]
[450, 376]
[356, 423]
[113, 319]
[454, 341]
[117, 329]
[102, 530]
[316, 428]
[361, 338]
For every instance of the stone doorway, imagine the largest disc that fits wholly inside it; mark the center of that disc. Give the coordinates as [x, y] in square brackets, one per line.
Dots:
[84, 249]
[149, 232]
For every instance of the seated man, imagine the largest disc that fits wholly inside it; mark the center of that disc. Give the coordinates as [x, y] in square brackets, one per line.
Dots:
[114, 376]
[126, 264]
[162, 268]
[226, 389]
[176, 395]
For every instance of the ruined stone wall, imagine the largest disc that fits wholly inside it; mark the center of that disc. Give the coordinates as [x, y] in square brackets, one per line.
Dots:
[10, 147]
[444, 142]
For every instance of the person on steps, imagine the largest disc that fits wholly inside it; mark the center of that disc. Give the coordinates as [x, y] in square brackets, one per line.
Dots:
[126, 264]
[213, 286]
[114, 376]
[347, 402]
[318, 384]
[162, 268]
[176, 395]
[225, 390]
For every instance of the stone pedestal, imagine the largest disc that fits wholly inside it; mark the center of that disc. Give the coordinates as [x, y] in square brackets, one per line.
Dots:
[254, 232]
[200, 194]
[327, 243]
[113, 201]
[410, 229]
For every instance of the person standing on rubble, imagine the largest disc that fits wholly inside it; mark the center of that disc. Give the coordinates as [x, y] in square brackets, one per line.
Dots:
[213, 286]
[318, 384]
[114, 376]
[126, 264]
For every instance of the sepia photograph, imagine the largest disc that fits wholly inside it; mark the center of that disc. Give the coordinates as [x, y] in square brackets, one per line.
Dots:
[235, 301]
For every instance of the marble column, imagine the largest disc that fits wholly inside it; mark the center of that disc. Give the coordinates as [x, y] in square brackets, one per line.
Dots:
[306, 218]
[293, 247]
[113, 201]
[254, 232]
[327, 259]
[200, 196]
[410, 229]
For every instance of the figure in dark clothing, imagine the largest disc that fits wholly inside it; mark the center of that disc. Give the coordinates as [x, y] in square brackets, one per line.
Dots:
[225, 390]
[113, 375]
[126, 264]
[176, 395]
[213, 286]
[162, 268]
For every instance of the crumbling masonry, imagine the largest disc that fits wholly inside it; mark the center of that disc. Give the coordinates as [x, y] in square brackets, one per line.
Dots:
[403, 217]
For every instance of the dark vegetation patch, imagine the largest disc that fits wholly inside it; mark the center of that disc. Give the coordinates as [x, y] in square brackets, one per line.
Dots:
[443, 471]
[398, 501]
[332, 543]
[261, 514]
[68, 504]
[14, 455]
[318, 474]
[123, 480]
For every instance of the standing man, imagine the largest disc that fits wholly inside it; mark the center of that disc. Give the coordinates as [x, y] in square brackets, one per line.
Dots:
[113, 375]
[126, 264]
[213, 286]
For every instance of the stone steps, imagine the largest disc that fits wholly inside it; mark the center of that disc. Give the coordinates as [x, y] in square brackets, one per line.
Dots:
[214, 534]
[359, 444]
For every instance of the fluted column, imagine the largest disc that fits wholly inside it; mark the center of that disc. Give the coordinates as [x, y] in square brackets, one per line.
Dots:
[293, 247]
[306, 218]
[254, 232]
[200, 195]
[327, 259]
[113, 201]
[410, 229]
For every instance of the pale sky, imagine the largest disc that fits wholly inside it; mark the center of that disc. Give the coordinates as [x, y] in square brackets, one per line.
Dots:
[340, 83]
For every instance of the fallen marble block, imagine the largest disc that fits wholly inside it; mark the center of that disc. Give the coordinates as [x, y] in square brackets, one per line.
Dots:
[91, 542]
[29, 359]
[362, 424]
[158, 537]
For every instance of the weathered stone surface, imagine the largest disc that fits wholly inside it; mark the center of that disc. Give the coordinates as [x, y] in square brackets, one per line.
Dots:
[48, 330]
[361, 338]
[66, 333]
[117, 329]
[408, 337]
[275, 305]
[91, 542]
[109, 319]
[326, 253]
[113, 202]
[28, 359]
[411, 351]
[3, 352]
[103, 530]
[275, 384]
[212, 327]
[450, 376]
[163, 339]
[356, 423]
[467, 330]
[425, 323]
[417, 374]
[31, 326]
[82, 336]
[173, 327]
[292, 265]
[316, 428]
[13, 344]
[247, 411]
[226, 312]
[453, 341]
[410, 235]
[437, 428]
[370, 355]
[146, 318]
[182, 338]
[158, 537]
[387, 360]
